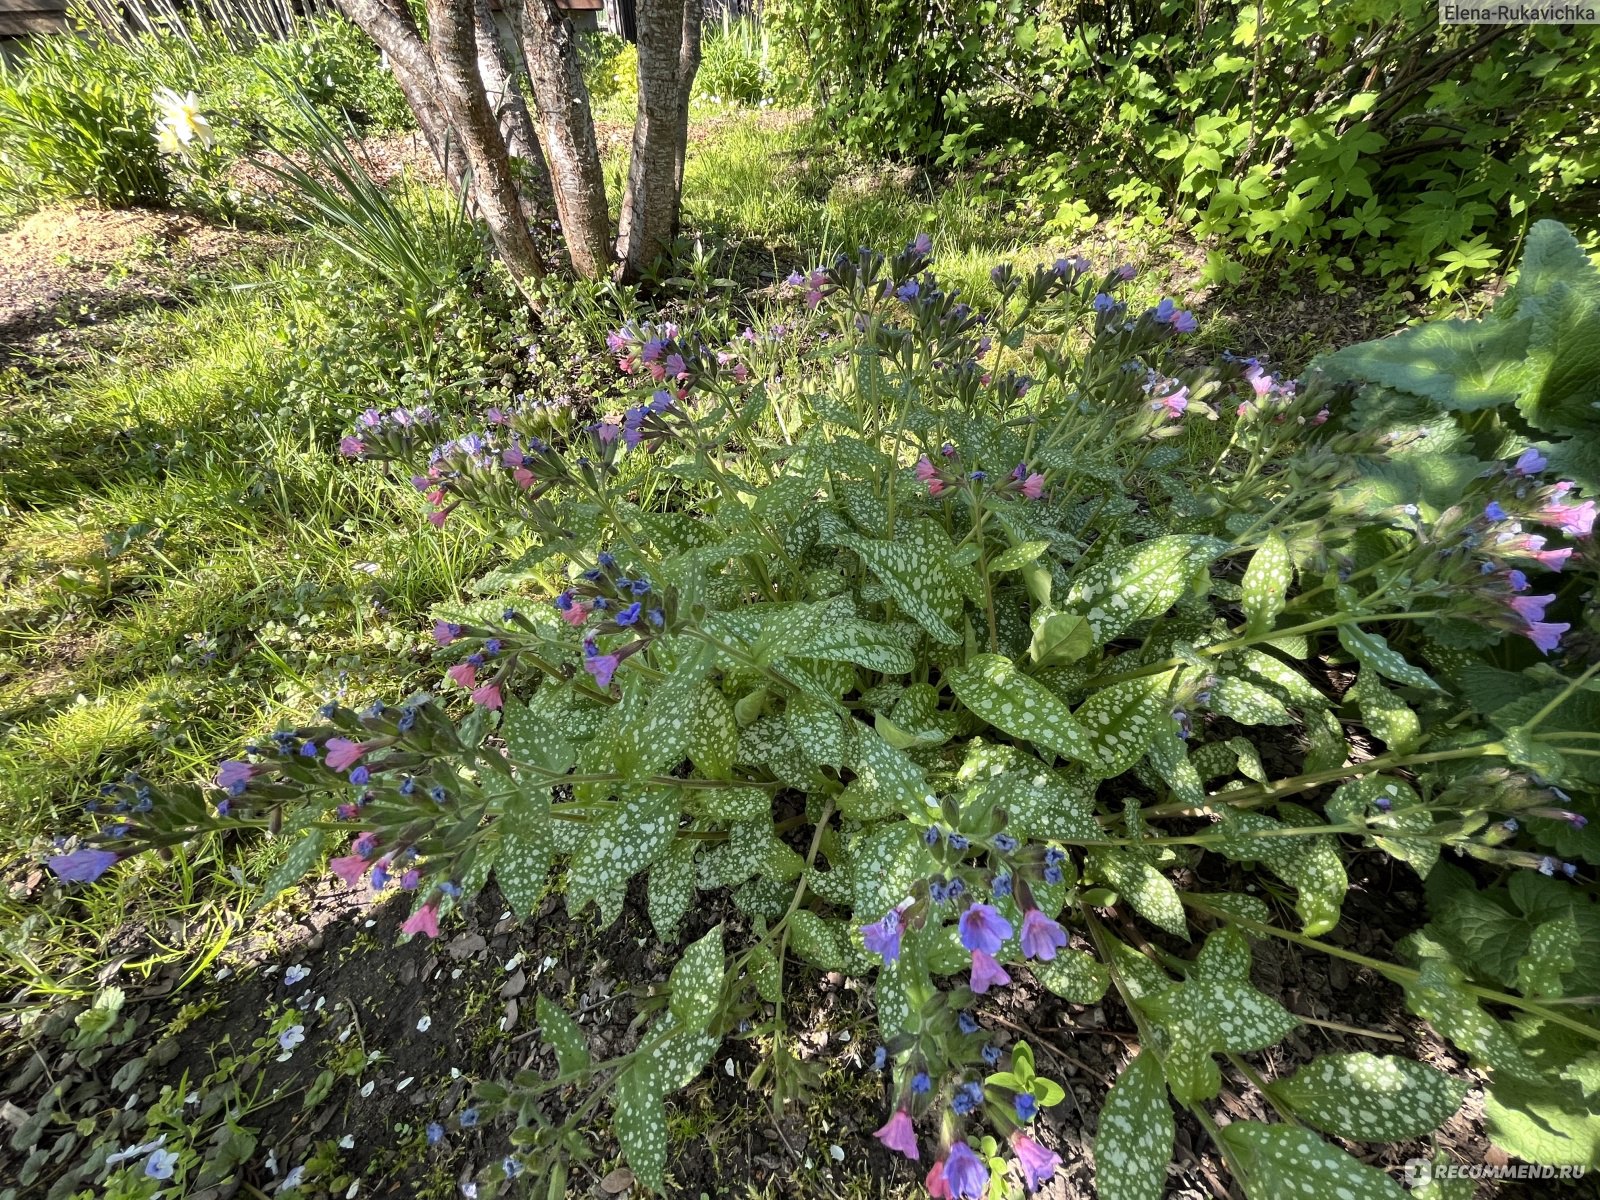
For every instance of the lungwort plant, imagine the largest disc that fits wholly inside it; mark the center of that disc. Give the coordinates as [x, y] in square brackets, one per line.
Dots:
[951, 649]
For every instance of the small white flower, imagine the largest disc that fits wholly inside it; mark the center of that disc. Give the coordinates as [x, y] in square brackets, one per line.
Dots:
[836, 1153]
[181, 124]
[424, 1023]
[295, 974]
[293, 1179]
[347, 1142]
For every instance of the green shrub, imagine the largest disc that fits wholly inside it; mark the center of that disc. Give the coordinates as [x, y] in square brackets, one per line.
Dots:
[1338, 137]
[943, 645]
[734, 63]
[73, 124]
[610, 69]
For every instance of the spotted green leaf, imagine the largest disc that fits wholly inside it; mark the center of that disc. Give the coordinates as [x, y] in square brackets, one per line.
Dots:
[887, 781]
[819, 731]
[713, 734]
[817, 940]
[641, 1126]
[1309, 863]
[1139, 582]
[1144, 887]
[1017, 557]
[1373, 651]
[887, 649]
[915, 570]
[1550, 956]
[632, 835]
[299, 858]
[1280, 678]
[531, 740]
[992, 688]
[1074, 975]
[562, 1034]
[1170, 758]
[1388, 716]
[883, 865]
[1059, 637]
[1041, 803]
[1247, 704]
[1192, 1073]
[1266, 584]
[1282, 1160]
[1134, 1143]
[1122, 720]
[696, 981]
[1225, 955]
[1384, 803]
[671, 889]
[1438, 997]
[1370, 1098]
[751, 849]
[1230, 1014]
[522, 864]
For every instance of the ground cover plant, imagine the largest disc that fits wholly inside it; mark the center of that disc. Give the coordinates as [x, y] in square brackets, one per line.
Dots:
[900, 651]
[938, 712]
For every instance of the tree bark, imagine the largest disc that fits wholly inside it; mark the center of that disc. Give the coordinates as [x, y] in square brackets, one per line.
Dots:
[566, 131]
[669, 56]
[500, 67]
[453, 42]
[391, 28]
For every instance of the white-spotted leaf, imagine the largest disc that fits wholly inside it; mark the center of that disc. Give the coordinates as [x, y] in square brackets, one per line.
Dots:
[1370, 1098]
[1134, 1143]
[1280, 1161]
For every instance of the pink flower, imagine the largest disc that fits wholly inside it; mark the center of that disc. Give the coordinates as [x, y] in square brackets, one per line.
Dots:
[986, 972]
[488, 696]
[935, 486]
[424, 920]
[926, 470]
[1530, 608]
[1545, 635]
[1040, 935]
[523, 478]
[1260, 382]
[1033, 486]
[445, 632]
[1176, 403]
[883, 936]
[937, 1188]
[1575, 519]
[576, 615]
[235, 772]
[741, 372]
[1038, 1164]
[344, 754]
[351, 868]
[437, 519]
[463, 675]
[1321, 418]
[607, 432]
[352, 447]
[899, 1135]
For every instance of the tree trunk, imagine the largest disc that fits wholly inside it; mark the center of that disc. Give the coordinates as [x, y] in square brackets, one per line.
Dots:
[669, 56]
[500, 67]
[453, 42]
[566, 130]
[391, 28]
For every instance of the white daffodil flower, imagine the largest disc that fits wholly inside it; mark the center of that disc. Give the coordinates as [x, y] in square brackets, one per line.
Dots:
[181, 125]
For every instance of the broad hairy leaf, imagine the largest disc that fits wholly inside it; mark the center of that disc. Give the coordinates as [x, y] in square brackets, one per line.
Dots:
[1373, 651]
[563, 1035]
[991, 687]
[696, 981]
[1074, 975]
[914, 569]
[1281, 1160]
[1136, 1131]
[1139, 582]
[522, 864]
[1370, 1098]
[1310, 863]
[1122, 720]
[631, 836]
[1143, 886]
[1266, 584]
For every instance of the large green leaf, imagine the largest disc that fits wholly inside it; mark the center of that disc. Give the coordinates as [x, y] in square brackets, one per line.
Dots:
[1459, 365]
[1134, 1142]
[914, 569]
[992, 688]
[1122, 721]
[632, 835]
[1266, 583]
[1139, 582]
[527, 849]
[1370, 1098]
[1308, 862]
[1279, 1161]
[696, 982]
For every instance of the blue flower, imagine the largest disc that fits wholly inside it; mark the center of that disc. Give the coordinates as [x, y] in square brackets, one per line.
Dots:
[408, 786]
[968, 1097]
[434, 1133]
[657, 618]
[1494, 512]
[1026, 1106]
[880, 1058]
[408, 719]
[937, 892]
[991, 1055]
[1053, 857]
[438, 794]
[930, 836]
[309, 750]
[511, 1166]
[1103, 303]
[1005, 843]
[639, 587]
[1052, 874]
[607, 560]
[629, 615]
[956, 889]
[920, 1083]
[360, 775]
[958, 842]
[966, 1022]
[564, 601]
[1001, 886]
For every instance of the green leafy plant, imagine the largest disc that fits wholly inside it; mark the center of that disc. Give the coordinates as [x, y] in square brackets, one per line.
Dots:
[945, 646]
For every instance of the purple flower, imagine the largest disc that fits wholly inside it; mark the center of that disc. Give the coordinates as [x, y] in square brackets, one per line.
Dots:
[1493, 512]
[986, 972]
[898, 1134]
[882, 937]
[1516, 581]
[1103, 303]
[1040, 935]
[1545, 635]
[235, 773]
[908, 290]
[1530, 608]
[922, 245]
[1529, 462]
[965, 1176]
[83, 865]
[629, 615]
[983, 928]
[601, 666]
[1037, 1163]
